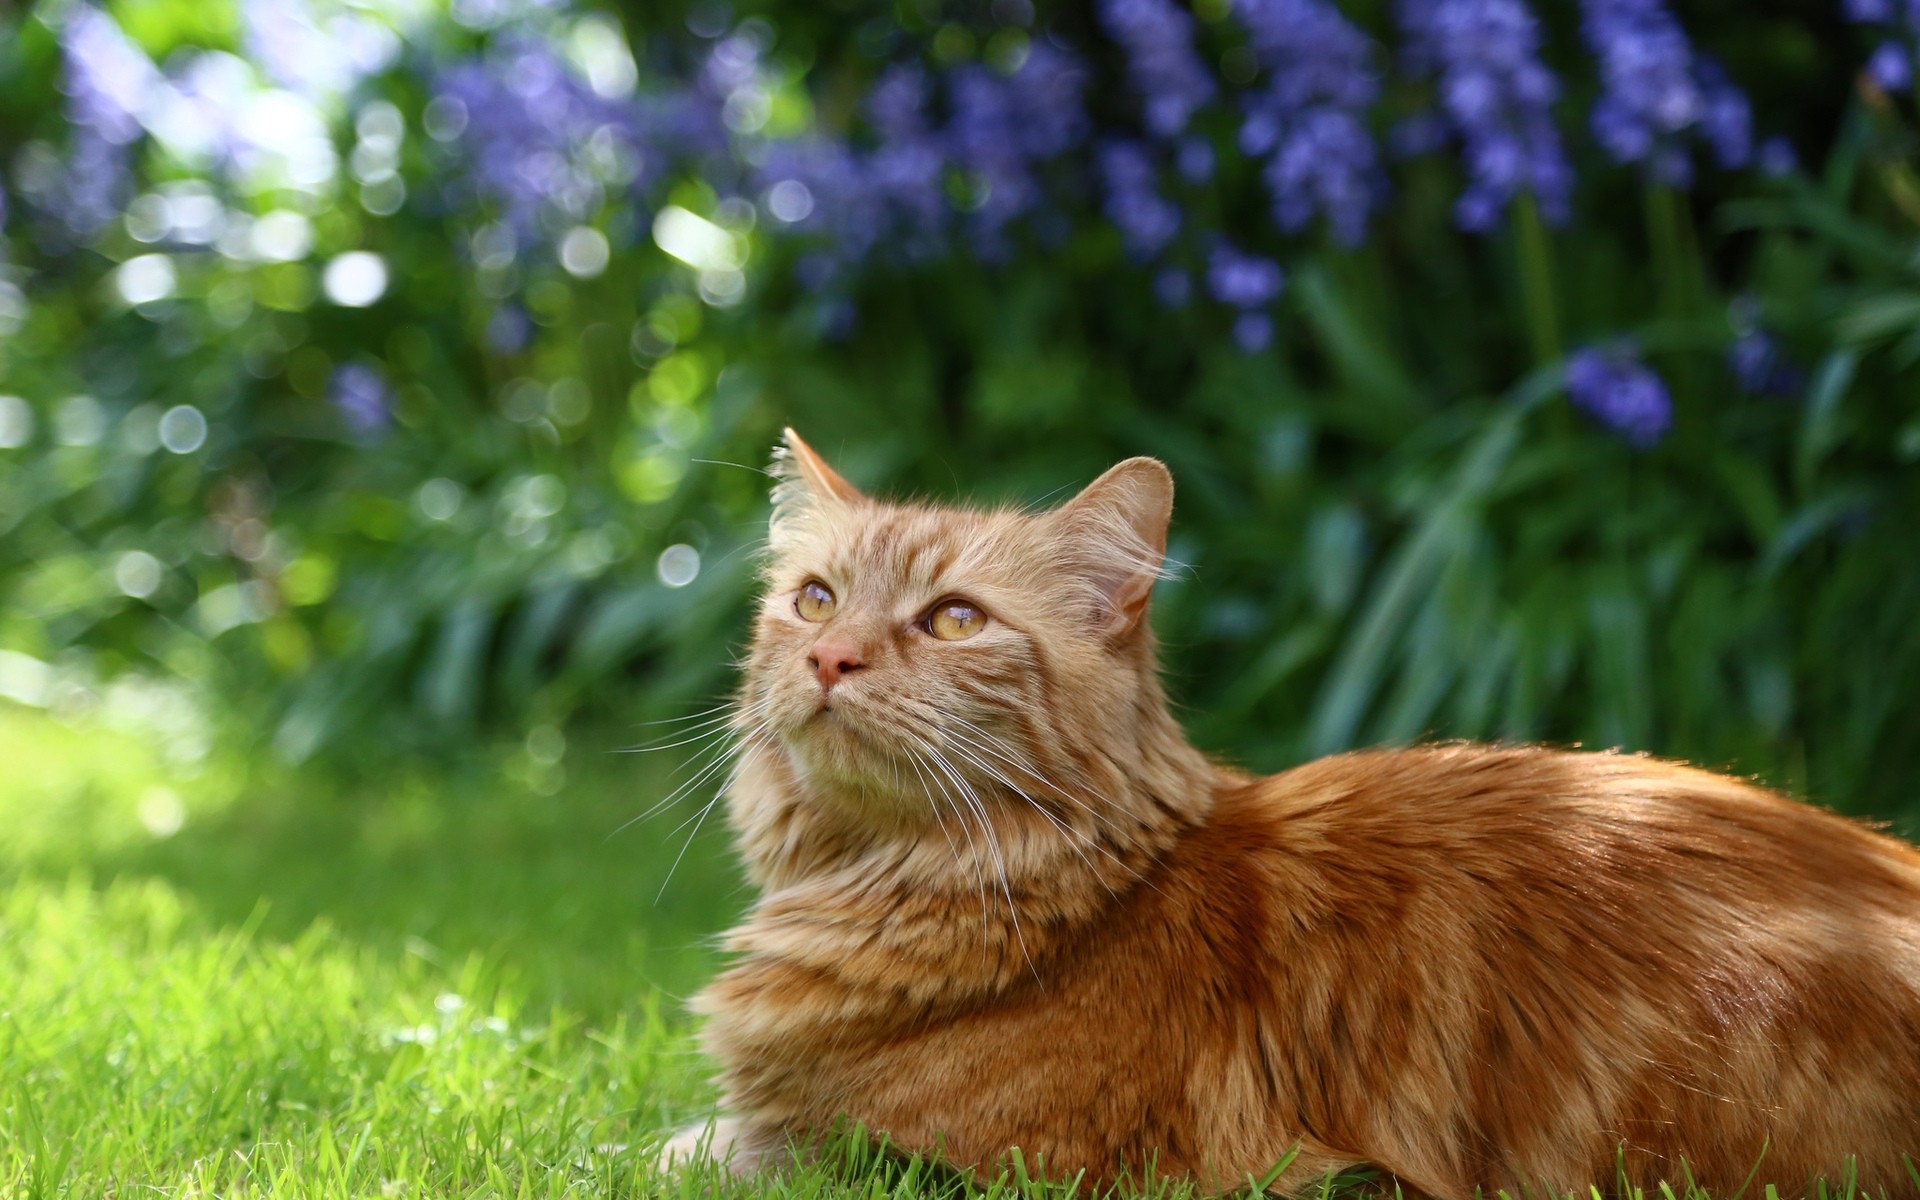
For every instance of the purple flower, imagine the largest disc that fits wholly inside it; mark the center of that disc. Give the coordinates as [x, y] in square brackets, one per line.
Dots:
[299, 51]
[1891, 67]
[1497, 100]
[109, 81]
[1194, 160]
[1759, 368]
[1161, 62]
[1002, 128]
[1620, 392]
[1727, 120]
[542, 145]
[1146, 221]
[360, 394]
[1253, 332]
[1776, 158]
[1653, 91]
[1243, 280]
[1309, 120]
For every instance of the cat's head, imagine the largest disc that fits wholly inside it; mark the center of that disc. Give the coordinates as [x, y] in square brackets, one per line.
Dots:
[908, 650]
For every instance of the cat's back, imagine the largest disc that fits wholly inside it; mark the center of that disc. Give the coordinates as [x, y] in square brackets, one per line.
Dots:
[1603, 826]
[1551, 955]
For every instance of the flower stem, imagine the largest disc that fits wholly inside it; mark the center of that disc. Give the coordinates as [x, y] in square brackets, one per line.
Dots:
[1536, 279]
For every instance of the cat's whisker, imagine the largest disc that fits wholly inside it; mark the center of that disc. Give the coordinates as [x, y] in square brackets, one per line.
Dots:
[961, 743]
[973, 857]
[1120, 833]
[718, 716]
[987, 743]
[716, 756]
[993, 846]
[967, 815]
[726, 785]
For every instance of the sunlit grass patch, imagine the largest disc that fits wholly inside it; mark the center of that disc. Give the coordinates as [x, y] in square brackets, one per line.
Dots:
[395, 991]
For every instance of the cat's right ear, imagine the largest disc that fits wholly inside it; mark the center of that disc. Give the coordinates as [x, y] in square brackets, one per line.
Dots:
[796, 461]
[1114, 537]
[803, 481]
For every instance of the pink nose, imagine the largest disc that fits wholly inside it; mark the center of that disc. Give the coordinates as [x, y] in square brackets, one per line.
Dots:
[832, 659]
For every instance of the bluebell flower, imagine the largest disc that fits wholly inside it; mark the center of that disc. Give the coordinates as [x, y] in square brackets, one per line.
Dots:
[1496, 97]
[1776, 158]
[315, 58]
[1253, 332]
[1145, 218]
[1760, 368]
[1620, 392]
[1243, 280]
[1002, 128]
[1653, 91]
[1891, 66]
[1308, 120]
[542, 145]
[1194, 160]
[361, 396]
[1162, 64]
[109, 82]
[1727, 118]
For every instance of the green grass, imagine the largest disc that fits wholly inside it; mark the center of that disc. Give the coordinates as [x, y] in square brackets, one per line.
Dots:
[414, 987]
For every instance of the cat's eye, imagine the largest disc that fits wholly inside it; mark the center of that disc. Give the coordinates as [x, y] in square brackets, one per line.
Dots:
[814, 603]
[955, 620]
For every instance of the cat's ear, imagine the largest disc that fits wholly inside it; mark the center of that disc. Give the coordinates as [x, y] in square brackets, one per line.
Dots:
[799, 475]
[1114, 536]
[803, 481]
[796, 461]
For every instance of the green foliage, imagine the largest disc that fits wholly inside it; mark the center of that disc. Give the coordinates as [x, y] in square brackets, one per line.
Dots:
[1392, 525]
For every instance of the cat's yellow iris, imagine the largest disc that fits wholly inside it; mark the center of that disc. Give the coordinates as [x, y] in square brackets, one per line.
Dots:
[956, 620]
[814, 603]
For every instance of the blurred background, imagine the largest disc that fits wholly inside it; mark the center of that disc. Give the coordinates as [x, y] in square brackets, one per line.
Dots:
[381, 380]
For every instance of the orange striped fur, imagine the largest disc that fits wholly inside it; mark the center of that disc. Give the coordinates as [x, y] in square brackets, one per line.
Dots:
[1005, 903]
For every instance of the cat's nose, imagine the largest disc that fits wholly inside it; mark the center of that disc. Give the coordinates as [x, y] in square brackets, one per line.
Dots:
[832, 659]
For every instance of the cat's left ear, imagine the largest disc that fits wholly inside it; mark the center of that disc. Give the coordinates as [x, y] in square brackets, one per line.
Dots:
[1114, 536]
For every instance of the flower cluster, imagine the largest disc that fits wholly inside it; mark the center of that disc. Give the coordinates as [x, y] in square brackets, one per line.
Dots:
[1249, 284]
[958, 155]
[1309, 120]
[1654, 91]
[1157, 37]
[558, 143]
[1620, 392]
[1898, 24]
[1147, 221]
[543, 146]
[1496, 97]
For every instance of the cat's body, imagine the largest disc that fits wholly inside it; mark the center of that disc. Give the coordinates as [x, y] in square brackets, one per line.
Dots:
[1005, 904]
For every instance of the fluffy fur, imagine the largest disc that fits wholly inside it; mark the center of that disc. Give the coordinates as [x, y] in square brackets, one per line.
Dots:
[1005, 903]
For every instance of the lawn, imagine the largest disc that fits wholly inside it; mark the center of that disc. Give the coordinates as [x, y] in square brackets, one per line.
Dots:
[216, 982]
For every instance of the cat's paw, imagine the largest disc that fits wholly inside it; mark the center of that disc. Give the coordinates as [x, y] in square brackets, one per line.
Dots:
[726, 1141]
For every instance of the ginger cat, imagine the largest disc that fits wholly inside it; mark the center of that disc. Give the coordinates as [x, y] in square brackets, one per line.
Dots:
[1005, 903]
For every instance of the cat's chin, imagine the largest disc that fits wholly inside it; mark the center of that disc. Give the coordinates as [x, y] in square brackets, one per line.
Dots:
[838, 759]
